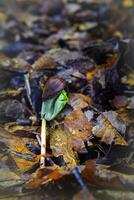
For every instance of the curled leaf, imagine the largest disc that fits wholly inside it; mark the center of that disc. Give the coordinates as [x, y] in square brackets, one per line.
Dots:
[52, 107]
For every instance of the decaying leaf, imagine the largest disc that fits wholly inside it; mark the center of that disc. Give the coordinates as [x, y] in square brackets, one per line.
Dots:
[77, 126]
[10, 93]
[8, 178]
[21, 130]
[10, 110]
[120, 101]
[44, 62]
[116, 121]
[109, 62]
[79, 101]
[61, 145]
[105, 178]
[14, 147]
[43, 176]
[129, 78]
[114, 195]
[107, 132]
[84, 52]
[84, 195]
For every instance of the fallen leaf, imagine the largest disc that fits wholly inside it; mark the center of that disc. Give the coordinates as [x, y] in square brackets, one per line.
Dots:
[84, 195]
[43, 176]
[104, 178]
[116, 121]
[129, 78]
[14, 147]
[120, 102]
[4, 94]
[8, 178]
[107, 132]
[61, 145]
[79, 101]
[78, 127]
[10, 110]
[44, 62]
[109, 62]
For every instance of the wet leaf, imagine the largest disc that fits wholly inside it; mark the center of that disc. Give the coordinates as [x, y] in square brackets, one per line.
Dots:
[61, 145]
[107, 132]
[129, 78]
[79, 101]
[44, 62]
[43, 176]
[8, 178]
[14, 147]
[120, 101]
[105, 178]
[10, 110]
[77, 125]
[109, 62]
[4, 94]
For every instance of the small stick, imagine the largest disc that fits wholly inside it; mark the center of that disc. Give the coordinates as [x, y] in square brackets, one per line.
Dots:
[43, 142]
[77, 175]
[28, 88]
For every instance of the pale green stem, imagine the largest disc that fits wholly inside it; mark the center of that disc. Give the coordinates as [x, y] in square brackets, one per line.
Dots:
[43, 142]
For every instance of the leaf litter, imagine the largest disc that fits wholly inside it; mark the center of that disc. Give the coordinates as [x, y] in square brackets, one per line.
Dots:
[66, 99]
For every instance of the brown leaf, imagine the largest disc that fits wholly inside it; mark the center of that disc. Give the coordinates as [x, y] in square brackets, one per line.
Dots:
[43, 176]
[101, 178]
[61, 144]
[44, 62]
[23, 158]
[11, 109]
[4, 94]
[120, 101]
[107, 132]
[77, 125]
[83, 195]
[109, 62]
[8, 178]
[79, 101]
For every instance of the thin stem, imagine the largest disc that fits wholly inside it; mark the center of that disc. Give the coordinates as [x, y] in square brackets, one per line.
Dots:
[43, 142]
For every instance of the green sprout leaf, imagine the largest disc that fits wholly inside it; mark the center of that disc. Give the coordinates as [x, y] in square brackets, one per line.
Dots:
[52, 107]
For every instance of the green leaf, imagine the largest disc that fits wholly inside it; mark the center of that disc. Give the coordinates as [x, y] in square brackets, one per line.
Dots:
[52, 107]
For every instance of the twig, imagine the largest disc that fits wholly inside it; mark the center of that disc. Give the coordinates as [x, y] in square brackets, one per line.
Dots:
[77, 175]
[28, 88]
